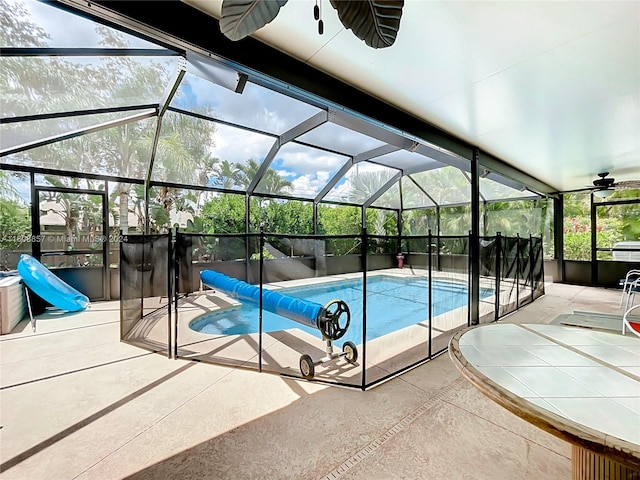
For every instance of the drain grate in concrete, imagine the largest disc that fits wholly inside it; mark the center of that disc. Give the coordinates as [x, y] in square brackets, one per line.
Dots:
[392, 432]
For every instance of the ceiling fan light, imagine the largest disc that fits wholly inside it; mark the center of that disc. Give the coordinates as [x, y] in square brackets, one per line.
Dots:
[603, 192]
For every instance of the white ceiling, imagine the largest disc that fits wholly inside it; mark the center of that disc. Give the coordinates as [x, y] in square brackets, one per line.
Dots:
[552, 88]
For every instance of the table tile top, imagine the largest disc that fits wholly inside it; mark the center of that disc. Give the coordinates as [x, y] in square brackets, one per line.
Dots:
[589, 377]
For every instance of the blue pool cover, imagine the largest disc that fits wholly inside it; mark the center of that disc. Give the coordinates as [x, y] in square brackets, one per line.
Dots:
[297, 309]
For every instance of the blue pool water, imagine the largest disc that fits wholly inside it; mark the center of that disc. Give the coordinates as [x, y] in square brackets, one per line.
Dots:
[392, 303]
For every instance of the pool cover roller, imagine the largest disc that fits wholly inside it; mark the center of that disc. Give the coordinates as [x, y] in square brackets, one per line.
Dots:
[324, 318]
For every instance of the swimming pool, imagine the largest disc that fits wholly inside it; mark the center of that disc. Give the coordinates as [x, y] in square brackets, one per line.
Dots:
[392, 303]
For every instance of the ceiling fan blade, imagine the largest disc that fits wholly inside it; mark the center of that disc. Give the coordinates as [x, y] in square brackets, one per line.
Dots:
[580, 190]
[375, 22]
[627, 184]
[241, 18]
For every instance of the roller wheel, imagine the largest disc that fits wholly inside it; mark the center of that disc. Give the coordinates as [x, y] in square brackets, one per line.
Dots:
[329, 324]
[351, 352]
[307, 368]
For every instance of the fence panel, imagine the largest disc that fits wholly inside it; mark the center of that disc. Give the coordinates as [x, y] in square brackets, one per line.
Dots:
[145, 275]
[406, 297]
[524, 272]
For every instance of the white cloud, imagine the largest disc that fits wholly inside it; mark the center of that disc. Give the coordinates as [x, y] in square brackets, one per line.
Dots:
[236, 145]
[256, 107]
[305, 160]
[310, 185]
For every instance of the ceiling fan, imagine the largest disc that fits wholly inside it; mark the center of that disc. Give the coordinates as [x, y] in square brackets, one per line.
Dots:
[605, 185]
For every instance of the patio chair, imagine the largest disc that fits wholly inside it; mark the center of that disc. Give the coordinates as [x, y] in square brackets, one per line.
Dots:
[630, 277]
[627, 322]
[633, 289]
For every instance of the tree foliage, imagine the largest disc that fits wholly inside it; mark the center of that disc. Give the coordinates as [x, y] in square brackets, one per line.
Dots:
[15, 227]
[339, 220]
[614, 223]
[225, 213]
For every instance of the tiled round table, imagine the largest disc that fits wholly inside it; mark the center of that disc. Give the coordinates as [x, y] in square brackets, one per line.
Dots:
[578, 384]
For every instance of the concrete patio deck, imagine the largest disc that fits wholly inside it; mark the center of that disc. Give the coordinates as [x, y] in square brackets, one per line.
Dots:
[76, 403]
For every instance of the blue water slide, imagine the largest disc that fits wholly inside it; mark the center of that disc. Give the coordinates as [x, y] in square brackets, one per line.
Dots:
[49, 287]
[297, 309]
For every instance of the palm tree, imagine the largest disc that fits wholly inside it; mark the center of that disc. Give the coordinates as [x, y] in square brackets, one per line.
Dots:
[125, 150]
[419, 222]
[246, 171]
[271, 182]
[274, 184]
[515, 217]
[226, 175]
[447, 185]
[365, 184]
